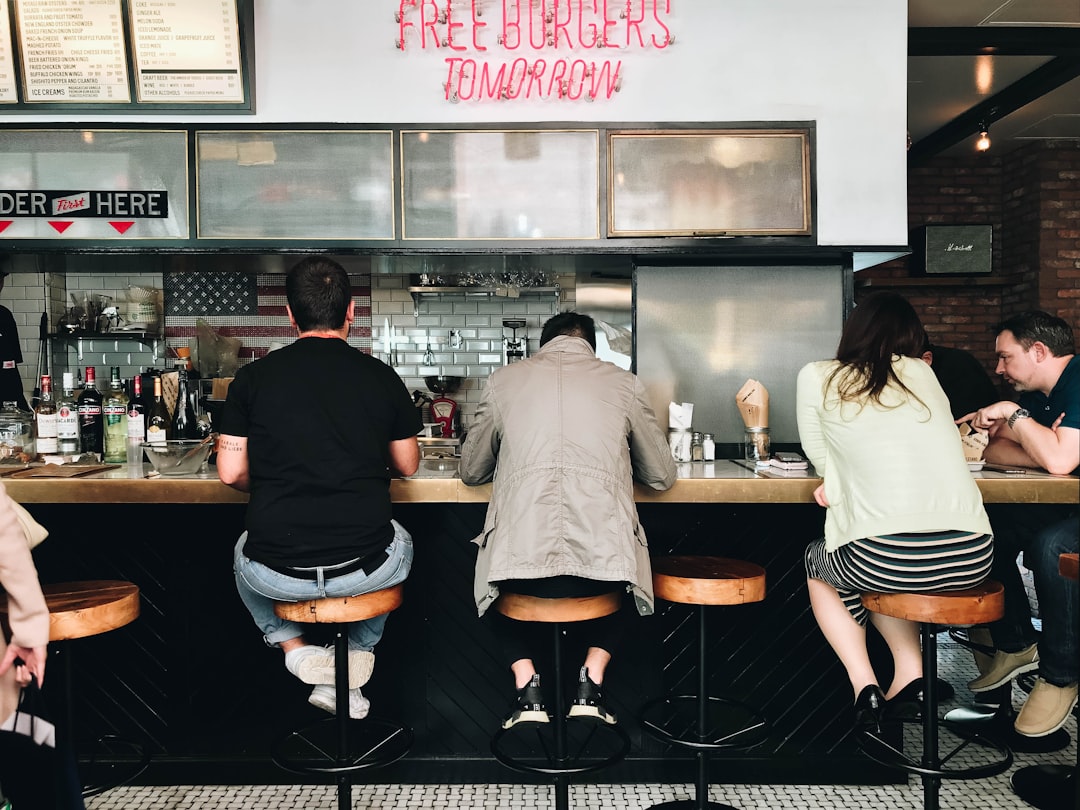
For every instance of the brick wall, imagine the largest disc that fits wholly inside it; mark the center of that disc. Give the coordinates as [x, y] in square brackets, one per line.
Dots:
[1031, 198]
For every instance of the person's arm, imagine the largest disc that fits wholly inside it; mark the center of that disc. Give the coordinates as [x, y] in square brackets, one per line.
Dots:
[232, 462]
[1026, 443]
[405, 456]
[808, 397]
[480, 452]
[650, 453]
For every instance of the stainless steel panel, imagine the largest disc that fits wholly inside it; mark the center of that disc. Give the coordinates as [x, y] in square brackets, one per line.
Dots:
[701, 332]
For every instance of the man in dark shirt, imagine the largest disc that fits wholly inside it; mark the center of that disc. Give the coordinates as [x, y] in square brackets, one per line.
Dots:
[11, 385]
[315, 431]
[962, 377]
[1037, 355]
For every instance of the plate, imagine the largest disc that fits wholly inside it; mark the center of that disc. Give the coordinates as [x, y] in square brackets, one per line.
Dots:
[975, 466]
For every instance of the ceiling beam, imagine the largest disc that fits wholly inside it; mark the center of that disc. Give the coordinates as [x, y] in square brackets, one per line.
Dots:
[994, 39]
[1038, 83]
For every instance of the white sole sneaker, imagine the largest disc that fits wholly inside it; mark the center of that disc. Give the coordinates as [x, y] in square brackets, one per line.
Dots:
[325, 698]
[315, 665]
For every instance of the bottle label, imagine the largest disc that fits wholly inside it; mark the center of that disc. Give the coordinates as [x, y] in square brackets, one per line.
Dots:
[90, 410]
[67, 423]
[155, 435]
[46, 425]
[113, 413]
[136, 425]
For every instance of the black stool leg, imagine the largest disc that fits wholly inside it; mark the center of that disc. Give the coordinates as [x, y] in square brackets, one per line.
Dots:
[931, 784]
[341, 690]
[562, 780]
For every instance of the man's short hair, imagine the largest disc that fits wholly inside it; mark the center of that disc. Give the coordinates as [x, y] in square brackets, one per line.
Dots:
[1036, 325]
[319, 292]
[569, 323]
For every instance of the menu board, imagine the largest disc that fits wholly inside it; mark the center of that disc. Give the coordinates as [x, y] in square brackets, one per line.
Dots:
[9, 90]
[72, 51]
[186, 51]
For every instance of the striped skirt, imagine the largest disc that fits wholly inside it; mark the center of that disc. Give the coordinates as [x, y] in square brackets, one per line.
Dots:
[901, 563]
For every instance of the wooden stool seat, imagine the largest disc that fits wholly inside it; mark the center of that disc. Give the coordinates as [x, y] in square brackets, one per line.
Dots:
[707, 580]
[1069, 566]
[82, 609]
[342, 609]
[980, 605]
[525, 608]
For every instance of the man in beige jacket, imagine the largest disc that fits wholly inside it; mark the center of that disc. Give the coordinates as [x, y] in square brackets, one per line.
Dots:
[563, 435]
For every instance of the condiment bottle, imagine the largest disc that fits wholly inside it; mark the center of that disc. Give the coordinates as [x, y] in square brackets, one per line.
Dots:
[697, 452]
[708, 447]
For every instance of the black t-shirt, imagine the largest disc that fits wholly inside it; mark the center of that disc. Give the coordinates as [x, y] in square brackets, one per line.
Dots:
[964, 380]
[319, 416]
[11, 386]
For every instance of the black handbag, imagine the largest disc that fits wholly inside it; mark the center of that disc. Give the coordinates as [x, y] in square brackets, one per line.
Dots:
[34, 773]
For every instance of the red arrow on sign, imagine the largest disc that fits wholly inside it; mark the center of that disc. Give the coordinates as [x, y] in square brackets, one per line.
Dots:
[121, 227]
[4, 224]
[60, 226]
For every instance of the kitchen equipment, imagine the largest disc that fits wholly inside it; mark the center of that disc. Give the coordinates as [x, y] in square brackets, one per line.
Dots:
[443, 409]
[514, 348]
[429, 356]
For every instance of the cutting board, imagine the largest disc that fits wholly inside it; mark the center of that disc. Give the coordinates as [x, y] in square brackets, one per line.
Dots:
[62, 470]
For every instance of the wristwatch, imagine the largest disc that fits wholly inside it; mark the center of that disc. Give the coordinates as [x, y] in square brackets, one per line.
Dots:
[1019, 413]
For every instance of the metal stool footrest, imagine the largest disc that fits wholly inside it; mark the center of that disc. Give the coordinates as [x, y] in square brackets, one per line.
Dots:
[998, 758]
[107, 757]
[312, 748]
[535, 748]
[729, 724]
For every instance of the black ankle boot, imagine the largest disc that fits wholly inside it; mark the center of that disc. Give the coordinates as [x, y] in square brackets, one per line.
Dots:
[869, 708]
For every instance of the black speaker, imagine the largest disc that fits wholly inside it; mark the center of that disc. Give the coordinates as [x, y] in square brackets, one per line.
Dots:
[951, 250]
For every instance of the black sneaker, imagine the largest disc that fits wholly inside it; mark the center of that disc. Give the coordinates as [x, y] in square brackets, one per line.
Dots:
[589, 703]
[528, 705]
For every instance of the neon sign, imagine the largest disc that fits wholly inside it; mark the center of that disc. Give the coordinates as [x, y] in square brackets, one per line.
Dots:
[503, 50]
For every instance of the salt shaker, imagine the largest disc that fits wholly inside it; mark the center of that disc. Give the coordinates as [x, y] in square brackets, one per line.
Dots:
[708, 448]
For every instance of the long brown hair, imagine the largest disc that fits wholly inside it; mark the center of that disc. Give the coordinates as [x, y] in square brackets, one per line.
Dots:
[882, 326]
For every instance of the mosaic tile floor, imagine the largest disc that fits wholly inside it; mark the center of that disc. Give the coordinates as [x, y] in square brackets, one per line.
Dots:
[994, 793]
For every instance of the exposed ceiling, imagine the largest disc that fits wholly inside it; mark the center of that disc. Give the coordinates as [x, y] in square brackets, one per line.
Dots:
[1013, 64]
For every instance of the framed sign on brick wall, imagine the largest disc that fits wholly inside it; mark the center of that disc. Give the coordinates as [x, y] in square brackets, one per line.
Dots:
[963, 250]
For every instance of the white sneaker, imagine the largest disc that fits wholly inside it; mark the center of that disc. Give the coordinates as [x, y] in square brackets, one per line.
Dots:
[326, 699]
[315, 665]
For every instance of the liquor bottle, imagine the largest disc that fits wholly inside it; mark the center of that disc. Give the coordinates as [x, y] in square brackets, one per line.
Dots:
[158, 423]
[45, 419]
[184, 424]
[114, 410]
[136, 424]
[91, 427]
[67, 418]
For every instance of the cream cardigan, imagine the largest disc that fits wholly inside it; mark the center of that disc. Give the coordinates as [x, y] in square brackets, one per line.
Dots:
[887, 469]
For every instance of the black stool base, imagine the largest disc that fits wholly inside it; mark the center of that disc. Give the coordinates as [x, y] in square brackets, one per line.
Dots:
[118, 759]
[311, 749]
[691, 804]
[1047, 787]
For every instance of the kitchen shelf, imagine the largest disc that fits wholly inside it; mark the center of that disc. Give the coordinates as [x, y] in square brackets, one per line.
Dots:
[155, 340]
[940, 281]
[507, 291]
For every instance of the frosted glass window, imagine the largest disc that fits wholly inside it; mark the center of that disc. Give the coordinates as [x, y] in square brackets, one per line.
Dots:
[295, 185]
[522, 184]
[715, 183]
[115, 185]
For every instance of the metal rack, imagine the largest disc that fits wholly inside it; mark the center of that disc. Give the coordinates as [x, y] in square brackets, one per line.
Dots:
[507, 291]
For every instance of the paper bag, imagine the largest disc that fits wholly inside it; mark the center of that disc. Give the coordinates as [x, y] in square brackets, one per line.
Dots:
[753, 403]
[973, 441]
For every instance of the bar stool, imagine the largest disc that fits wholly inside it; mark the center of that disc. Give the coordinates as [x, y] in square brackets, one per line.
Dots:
[358, 744]
[1050, 785]
[556, 759]
[704, 723]
[934, 611]
[80, 610]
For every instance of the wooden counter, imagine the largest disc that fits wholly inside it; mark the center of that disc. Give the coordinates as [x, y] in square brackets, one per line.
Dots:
[708, 482]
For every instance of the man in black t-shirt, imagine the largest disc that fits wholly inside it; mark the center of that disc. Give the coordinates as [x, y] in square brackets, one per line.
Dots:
[11, 385]
[314, 432]
[962, 377]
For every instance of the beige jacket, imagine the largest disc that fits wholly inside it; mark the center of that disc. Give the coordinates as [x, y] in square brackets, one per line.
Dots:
[563, 435]
[27, 613]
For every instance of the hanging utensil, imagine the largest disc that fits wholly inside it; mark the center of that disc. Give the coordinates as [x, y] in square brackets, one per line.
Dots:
[429, 356]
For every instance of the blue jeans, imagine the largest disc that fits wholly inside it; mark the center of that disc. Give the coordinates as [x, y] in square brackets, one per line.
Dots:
[260, 587]
[1042, 532]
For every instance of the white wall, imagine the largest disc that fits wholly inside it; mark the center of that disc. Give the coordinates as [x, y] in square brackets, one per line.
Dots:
[841, 63]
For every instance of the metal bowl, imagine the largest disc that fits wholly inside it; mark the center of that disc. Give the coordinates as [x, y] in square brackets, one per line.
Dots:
[443, 385]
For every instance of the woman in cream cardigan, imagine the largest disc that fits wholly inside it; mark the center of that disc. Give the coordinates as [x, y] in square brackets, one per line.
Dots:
[27, 614]
[903, 511]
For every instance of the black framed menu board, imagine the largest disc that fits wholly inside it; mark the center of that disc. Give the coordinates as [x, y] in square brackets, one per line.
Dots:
[146, 55]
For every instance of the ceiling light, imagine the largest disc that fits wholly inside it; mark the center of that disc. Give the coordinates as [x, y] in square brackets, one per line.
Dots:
[983, 142]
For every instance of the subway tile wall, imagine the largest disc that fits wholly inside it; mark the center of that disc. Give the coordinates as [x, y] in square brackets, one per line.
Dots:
[415, 323]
